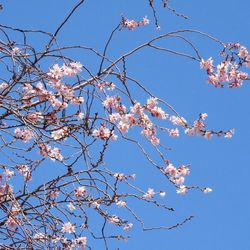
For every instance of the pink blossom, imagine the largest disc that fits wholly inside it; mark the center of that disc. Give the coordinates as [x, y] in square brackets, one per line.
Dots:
[23, 134]
[71, 206]
[81, 241]
[178, 181]
[113, 219]
[34, 116]
[103, 133]
[16, 51]
[149, 194]
[128, 226]
[8, 174]
[174, 132]
[114, 117]
[60, 133]
[207, 65]
[111, 102]
[154, 140]
[3, 86]
[229, 134]
[129, 119]
[162, 194]
[68, 228]
[137, 109]
[55, 72]
[39, 237]
[247, 63]
[54, 153]
[171, 170]
[182, 190]
[80, 116]
[121, 203]
[57, 104]
[123, 127]
[208, 134]
[120, 176]
[243, 52]
[151, 103]
[183, 170]
[110, 85]
[132, 24]
[5, 189]
[12, 222]
[80, 192]
[24, 170]
[207, 190]
[178, 120]
[77, 100]
[53, 194]
[158, 112]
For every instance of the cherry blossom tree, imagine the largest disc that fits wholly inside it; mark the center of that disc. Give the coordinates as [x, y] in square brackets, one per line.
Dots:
[58, 113]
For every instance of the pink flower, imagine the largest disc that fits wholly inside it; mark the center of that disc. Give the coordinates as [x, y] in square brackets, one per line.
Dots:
[243, 52]
[23, 134]
[81, 241]
[39, 237]
[178, 181]
[68, 228]
[114, 117]
[162, 194]
[24, 170]
[77, 100]
[132, 24]
[8, 174]
[121, 203]
[207, 190]
[182, 190]
[151, 103]
[149, 194]
[3, 86]
[183, 170]
[71, 206]
[104, 133]
[123, 127]
[12, 222]
[34, 116]
[247, 63]
[80, 192]
[60, 133]
[229, 134]
[120, 176]
[55, 72]
[158, 112]
[178, 120]
[54, 153]
[171, 170]
[174, 132]
[154, 140]
[137, 109]
[128, 226]
[207, 65]
[113, 219]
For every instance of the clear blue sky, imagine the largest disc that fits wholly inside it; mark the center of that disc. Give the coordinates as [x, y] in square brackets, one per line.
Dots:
[222, 218]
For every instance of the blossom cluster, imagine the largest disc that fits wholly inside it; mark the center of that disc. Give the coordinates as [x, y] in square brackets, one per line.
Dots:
[138, 116]
[132, 24]
[198, 128]
[24, 170]
[23, 134]
[228, 71]
[52, 153]
[56, 72]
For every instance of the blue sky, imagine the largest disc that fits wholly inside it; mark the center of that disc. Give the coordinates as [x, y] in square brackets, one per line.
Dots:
[222, 218]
